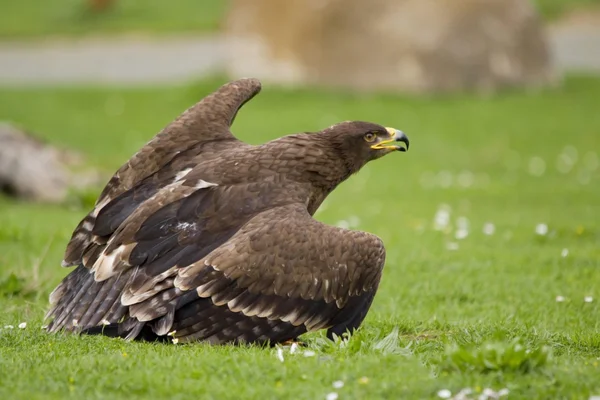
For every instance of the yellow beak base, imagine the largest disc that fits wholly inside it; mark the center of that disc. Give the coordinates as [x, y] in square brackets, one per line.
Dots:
[385, 144]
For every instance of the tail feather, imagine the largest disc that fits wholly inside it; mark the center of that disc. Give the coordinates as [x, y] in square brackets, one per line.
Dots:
[80, 303]
[104, 311]
[65, 306]
[109, 290]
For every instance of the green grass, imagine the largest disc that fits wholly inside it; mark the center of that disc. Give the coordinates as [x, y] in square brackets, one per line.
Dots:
[552, 9]
[34, 18]
[482, 315]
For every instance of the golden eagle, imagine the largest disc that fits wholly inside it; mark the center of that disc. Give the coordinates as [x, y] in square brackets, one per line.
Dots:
[202, 237]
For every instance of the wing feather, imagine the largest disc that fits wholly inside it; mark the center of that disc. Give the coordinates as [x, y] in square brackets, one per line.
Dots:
[206, 122]
[232, 282]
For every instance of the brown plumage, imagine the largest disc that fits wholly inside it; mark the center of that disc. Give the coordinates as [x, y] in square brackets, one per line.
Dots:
[200, 236]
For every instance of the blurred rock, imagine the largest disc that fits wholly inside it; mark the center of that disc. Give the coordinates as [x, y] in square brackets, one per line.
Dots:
[33, 170]
[402, 45]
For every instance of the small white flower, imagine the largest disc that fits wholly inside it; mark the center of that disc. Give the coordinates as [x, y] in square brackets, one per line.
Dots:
[564, 163]
[445, 179]
[452, 246]
[488, 392]
[588, 299]
[584, 176]
[571, 152]
[280, 354]
[537, 166]
[343, 224]
[463, 394]
[564, 252]
[331, 396]
[23, 325]
[338, 384]
[518, 347]
[444, 394]
[293, 348]
[107, 322]
[461, 234]
[503, 392]
[489, 228]
[560, 299]
[309, 353]
[9, 327]
[541, 229]
[442, 218]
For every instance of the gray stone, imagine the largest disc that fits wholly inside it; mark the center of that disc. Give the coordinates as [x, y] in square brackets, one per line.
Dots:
[33, 170]
[396, 45]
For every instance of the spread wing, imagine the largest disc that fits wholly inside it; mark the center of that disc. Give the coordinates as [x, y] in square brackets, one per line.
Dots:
[254, 274]
[198, 130]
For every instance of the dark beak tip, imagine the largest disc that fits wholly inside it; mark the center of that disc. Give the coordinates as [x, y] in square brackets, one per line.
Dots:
[404, 139]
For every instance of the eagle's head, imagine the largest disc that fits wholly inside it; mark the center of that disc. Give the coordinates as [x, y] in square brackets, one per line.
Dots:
[359, 142]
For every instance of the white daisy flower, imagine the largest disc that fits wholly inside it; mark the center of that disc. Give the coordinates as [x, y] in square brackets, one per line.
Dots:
[489, 229]
[541, 229]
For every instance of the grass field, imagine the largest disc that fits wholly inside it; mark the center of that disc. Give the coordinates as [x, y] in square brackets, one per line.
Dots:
[491, 215]
[34, 18]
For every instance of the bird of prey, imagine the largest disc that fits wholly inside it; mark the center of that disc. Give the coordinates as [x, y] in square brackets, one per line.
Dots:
[202, 237]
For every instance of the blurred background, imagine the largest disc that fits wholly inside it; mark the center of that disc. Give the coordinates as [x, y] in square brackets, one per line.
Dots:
[500, 99]
[398, 46]
[355, 48]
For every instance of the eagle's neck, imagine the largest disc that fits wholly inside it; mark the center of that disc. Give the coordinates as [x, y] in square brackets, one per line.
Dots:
[310, 160]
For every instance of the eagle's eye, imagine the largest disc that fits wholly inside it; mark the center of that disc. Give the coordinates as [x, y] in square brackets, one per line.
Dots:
[370, 136]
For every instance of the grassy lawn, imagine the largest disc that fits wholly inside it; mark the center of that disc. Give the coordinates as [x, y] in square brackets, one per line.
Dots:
[552, 9]
[34, 18]
[478, 311]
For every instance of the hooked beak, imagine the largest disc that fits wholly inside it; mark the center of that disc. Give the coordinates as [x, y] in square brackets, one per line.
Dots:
[395, 137]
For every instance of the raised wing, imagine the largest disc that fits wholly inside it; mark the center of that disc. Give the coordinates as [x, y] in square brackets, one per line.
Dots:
[204, 124]
[268, 275]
